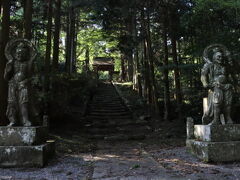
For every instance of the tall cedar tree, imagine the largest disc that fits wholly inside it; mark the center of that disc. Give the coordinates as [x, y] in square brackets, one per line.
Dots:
[57, 29]
[3, 41]
[28, 11]
[48, 46]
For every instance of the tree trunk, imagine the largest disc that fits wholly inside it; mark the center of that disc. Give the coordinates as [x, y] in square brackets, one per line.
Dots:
[144, 59]
[67, 47]
[129, 49]
[70, 40]
[135, 69]
[141, 63]
[147, 85]
[28, 11]
[165, 71]
[57, 20]
[151, 67]
[176, 76]
[129, 58]
[146, 74]
[175, 61]
[0, 7]
[137, 84]
[87, 58]
[123, 72]
[4, 38]
[135, 55]
[48, 47]
[73, 42]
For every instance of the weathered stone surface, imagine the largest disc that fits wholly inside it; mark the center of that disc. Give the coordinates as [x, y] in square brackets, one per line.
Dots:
[214, 76]
[215, 151]
[217, 133]
[20, 136]
[26, 156]
[190, 128]
[19, 70]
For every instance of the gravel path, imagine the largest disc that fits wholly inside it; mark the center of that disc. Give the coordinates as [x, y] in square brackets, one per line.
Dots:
[66, 167]
[177, 161]
[126, 161]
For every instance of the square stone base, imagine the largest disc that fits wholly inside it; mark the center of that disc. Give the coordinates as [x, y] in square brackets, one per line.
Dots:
[22, 136]
[217, 133]
[215, 151]
[26, 156]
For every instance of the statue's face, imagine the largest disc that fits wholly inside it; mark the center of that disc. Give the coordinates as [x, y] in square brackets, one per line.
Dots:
[22, 53]
[218, 57]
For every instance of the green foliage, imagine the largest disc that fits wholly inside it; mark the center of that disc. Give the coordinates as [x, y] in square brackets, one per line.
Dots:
[107, 29]
[67, 91]
[92, 35]
[212, 21]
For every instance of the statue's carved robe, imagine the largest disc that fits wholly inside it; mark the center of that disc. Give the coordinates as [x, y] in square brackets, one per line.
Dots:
[18, 86]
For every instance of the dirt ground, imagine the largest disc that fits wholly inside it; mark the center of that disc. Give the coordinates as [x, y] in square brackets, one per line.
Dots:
[161, 156]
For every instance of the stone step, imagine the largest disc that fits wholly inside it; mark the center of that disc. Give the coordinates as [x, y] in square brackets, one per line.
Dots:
[110, 102]
[106, 91]
[108, 95]
[94, 117]
[108, 118]
[118, 123]
[124, 137]
[101, 108]
[133, 129]
[104, 101]
[91, 109]
[107, 98]
[108, 110]
[117, 137]
[115, 123]
[112, 122]
[110, 113]
[128, 123]
[106, 106]
[115, 97]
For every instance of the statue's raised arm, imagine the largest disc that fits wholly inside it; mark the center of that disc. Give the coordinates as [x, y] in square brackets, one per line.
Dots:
[11, 51]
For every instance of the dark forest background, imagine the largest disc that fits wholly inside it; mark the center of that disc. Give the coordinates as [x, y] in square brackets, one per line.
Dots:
[157, 46]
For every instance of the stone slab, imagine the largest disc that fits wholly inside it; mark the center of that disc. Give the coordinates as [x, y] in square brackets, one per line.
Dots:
[215, 151]
[217, 133]
[26, 156]
[21, 136]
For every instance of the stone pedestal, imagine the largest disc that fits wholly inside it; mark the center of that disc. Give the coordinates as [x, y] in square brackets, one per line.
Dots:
[25, 146]
[215, 143]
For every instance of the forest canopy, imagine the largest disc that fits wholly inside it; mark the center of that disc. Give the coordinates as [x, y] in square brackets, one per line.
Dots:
[157, 44]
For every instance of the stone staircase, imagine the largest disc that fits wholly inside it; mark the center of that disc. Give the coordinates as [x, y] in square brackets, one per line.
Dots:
[109, 119]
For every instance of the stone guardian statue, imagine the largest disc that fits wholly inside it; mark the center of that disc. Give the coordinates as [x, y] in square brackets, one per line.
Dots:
[20, 54]
[215, 77]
